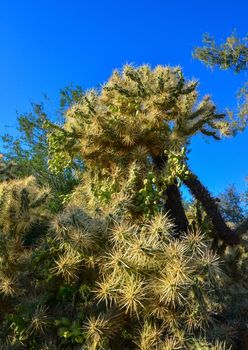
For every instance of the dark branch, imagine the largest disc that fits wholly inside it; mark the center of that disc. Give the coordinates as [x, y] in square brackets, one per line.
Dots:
[175, 208]
[242, 228]
[173, 203]
[200, 192]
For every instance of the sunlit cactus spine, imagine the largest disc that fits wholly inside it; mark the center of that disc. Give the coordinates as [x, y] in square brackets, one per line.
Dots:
[143, 276]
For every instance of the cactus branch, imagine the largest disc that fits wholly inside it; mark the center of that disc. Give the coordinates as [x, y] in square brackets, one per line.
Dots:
[201, 193]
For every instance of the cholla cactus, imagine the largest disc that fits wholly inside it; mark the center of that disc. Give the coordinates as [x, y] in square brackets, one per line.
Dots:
[144, 116]
[155, 278]
[132, 284]
[23, 218]
[23, 207]
[132, 116]
[112, 271]
[6, 170]
[166, 288]
[39, 320]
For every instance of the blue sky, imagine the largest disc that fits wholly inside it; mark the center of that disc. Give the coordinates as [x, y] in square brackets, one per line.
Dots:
[47, 44]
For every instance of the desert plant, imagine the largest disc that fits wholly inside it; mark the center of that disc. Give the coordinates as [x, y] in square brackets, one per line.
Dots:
[123, 265]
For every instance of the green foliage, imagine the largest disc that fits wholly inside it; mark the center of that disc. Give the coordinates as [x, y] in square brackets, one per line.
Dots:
[70, 331]
[232, 204]
[176, 168]
[58, 139]
[149, 198]
[27, 154]
[28, 150]
[233, 54]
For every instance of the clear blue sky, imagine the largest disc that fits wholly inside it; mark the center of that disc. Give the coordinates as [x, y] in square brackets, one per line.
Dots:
[46, 44]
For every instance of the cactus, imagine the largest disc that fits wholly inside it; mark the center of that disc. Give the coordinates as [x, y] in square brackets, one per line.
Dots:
[114, 270]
